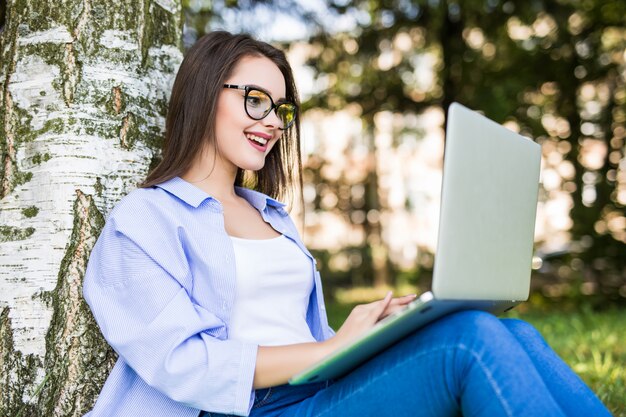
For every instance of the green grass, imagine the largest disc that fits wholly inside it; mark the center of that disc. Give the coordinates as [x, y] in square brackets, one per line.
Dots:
[592, 343]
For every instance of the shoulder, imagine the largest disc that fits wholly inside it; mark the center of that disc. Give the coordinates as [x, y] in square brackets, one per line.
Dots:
[140, 202]
[151, 210]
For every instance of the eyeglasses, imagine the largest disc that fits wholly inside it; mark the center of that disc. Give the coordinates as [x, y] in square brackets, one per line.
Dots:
[258, 104]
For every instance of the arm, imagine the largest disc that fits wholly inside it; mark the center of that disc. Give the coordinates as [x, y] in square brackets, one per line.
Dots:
[276, 364]
[148, 317]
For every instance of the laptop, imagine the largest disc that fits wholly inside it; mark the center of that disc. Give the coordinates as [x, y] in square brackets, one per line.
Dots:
[486, 229]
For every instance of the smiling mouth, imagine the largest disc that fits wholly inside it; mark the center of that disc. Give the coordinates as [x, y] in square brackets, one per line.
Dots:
[261, 141]
[257, 142]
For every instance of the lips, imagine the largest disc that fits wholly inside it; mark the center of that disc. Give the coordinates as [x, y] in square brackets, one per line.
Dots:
[258, 140]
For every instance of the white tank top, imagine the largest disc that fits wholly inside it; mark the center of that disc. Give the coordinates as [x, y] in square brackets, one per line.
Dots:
[274, 282]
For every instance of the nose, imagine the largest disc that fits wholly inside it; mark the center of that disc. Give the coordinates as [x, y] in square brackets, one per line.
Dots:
[272, 120]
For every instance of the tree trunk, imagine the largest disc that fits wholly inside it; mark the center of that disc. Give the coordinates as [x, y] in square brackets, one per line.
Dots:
[84, 87]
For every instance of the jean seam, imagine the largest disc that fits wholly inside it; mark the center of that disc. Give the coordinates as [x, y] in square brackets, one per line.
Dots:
[490, 379]
[463, 347]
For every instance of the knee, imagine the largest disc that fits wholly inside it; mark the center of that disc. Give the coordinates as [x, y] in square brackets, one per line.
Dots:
[477, 337]
[475, 321]
[522, 330]
[518, 326]
[473, 326]
[470, 330]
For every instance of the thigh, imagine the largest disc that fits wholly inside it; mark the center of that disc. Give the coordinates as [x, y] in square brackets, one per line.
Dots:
[465, 363]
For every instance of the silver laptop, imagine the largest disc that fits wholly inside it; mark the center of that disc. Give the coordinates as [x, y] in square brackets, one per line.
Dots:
[486, 229]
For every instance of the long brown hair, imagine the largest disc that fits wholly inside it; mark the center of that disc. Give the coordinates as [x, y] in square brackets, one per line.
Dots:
[190, 122]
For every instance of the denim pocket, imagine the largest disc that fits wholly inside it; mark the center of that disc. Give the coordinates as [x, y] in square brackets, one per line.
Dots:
[262, 396]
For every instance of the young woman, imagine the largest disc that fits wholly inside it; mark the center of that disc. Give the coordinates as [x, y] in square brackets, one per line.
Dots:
[203, 287]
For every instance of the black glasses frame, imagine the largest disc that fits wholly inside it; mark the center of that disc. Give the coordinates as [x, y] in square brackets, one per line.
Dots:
[274, 106]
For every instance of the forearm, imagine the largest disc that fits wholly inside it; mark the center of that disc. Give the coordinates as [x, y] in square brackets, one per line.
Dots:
[276, 364]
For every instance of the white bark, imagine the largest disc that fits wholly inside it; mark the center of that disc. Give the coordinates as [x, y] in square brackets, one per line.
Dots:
[83, 101]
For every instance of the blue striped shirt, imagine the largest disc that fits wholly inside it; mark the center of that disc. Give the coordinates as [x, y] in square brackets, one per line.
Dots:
[161, 285]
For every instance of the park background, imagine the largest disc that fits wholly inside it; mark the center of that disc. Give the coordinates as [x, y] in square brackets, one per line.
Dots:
[376, 78]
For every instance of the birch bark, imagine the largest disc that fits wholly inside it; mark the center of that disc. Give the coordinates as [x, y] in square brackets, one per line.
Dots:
[84, 87]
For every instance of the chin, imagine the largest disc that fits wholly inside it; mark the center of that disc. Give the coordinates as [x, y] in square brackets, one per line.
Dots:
[253, 166]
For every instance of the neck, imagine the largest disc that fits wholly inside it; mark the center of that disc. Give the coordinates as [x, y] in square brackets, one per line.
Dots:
[213, 176]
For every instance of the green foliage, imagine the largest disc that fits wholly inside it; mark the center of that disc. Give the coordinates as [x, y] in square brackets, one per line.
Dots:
[517, 61]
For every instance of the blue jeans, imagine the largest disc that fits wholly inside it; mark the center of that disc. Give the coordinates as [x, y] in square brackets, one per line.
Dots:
[469, 363]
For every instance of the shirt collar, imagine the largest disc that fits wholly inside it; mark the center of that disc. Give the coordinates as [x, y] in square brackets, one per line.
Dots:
[184, 190]
[194, 196]
[257, 199]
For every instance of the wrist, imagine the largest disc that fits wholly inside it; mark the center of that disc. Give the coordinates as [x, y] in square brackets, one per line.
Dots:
[328, 346]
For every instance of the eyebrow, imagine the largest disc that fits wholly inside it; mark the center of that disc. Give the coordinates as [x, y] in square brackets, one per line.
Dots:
[258, 87]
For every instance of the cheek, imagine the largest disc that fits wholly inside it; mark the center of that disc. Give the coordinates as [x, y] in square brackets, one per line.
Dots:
[228, 113]
[221, 121]
[273, 143]
[226, 125]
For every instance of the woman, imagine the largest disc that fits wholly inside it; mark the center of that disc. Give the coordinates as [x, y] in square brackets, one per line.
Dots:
[212, 302]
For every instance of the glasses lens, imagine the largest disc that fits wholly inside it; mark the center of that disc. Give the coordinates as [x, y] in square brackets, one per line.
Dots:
[286, 113]
[258, 104]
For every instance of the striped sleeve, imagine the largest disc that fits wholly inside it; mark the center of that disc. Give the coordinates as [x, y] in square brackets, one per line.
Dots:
[140, 302]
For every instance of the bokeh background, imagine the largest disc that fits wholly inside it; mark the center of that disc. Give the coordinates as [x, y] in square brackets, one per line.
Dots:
[376, 78]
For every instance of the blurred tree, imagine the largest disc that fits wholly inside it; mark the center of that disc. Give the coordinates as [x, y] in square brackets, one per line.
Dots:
[553, 68]
[585, 69]
[249, 16]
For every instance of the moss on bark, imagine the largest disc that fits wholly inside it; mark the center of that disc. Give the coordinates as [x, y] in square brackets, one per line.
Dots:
[66, 380]
[77, 357]
[10, 233]
[17, 372]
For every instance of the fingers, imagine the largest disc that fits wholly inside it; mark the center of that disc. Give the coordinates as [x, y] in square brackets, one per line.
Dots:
[408, 296]
[405, 299]
[384, 304]
[382, 308]
[402, 299]
[397, 304]
[364, 316]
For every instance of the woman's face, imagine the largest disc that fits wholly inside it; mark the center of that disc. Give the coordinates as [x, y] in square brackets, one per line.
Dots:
[243, 142]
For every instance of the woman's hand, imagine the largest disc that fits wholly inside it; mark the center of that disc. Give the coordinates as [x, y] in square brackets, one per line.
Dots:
[276, 364]
[396, 304]
[364, 316]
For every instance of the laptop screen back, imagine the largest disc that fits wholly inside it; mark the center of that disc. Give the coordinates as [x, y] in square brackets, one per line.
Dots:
[488, 207]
